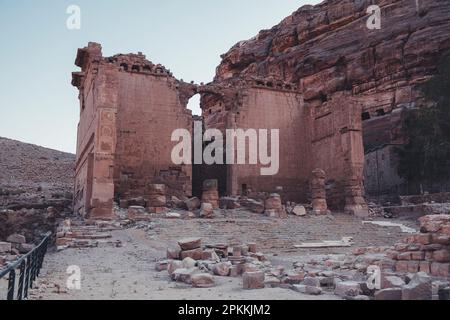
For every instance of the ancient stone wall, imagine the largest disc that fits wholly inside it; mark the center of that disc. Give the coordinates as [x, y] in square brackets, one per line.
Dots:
[128, 110]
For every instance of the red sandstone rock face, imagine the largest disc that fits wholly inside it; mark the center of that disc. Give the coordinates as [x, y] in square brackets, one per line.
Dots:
[328, 47]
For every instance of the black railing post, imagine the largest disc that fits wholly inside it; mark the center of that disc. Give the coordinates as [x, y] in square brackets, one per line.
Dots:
[21, 278]
[11, 284]
[29, 267]
[27, 278]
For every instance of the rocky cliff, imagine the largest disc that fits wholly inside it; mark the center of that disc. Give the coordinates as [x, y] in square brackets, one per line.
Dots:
[328, 49]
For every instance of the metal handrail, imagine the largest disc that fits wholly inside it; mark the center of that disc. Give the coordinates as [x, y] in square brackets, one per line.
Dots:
[29, 266]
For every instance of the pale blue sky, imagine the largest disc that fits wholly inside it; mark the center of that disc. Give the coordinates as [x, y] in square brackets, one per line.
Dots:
[38, 103]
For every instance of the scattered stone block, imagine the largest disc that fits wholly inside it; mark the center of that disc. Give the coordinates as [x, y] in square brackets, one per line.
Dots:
[190, 243]
[202, 280]
[253, 280]
[388, 282]
[299, 211]
[173, 253]
[222, 269]
[311, 281]
[184, 275]
[161, 265]
[189, 263]
[311, 290]
[173, 215]
[207, 210]
[196, 254]
[25, 248]
[192, 204]
[174, 265]
[419, 288]
[16, 239]
[347, 288]
[389, 294]
[5, 247]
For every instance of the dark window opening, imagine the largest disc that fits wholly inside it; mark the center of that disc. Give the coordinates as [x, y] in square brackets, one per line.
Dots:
[136, 68]
[147, 68]
[244, 189]
[124, 66]
[269, 84]
[365, 116]
[380, 112]
[323, 97]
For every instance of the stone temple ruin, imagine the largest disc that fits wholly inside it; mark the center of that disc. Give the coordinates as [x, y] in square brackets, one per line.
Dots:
[129, 108]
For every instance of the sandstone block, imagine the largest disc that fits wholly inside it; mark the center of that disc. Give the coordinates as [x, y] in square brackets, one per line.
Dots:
[419, 288]
[202, 280]
[311, 281]
[222, 269]
[173, 253]
[207, 210]
[389, 294]
[161, 265]
[311, 290]
[253, 280]
[16, 238]
[184, 275]
[196, 254]
[299, 211]
[190, 243]
[192, 203]
[5, 247]
[347, 288]
[174, 265]
[189, 263]
[441, 256]
[157, 189]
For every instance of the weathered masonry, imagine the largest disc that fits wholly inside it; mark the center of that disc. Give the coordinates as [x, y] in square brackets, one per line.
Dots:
[129, 108]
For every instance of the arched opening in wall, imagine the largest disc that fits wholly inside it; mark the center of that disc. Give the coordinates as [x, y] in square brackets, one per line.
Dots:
[194, 105]
[365, 116]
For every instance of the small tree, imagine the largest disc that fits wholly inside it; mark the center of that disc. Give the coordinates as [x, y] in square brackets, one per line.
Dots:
[426, 156]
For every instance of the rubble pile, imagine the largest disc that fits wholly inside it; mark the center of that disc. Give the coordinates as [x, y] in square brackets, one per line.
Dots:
[197, 265]
[428, 251]
[87, 234]
[13, 248]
